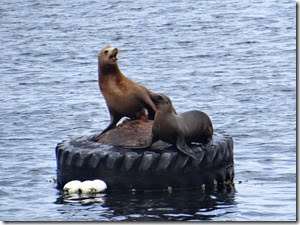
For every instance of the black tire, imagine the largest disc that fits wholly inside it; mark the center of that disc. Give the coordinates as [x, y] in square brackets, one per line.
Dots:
[84, 159]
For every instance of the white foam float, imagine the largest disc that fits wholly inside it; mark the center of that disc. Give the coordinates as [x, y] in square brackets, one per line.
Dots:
[86, 187]
[72, 187]
[100, 185]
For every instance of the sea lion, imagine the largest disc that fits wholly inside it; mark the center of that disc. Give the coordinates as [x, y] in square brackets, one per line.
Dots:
[123, 97]
[180, 130]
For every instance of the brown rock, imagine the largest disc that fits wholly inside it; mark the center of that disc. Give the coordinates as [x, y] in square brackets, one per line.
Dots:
[130, 133]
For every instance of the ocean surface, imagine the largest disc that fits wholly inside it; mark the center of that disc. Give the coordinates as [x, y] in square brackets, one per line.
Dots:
[234, 60]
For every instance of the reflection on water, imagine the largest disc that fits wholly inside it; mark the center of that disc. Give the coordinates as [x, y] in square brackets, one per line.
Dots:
[80, 198]
[186, 205]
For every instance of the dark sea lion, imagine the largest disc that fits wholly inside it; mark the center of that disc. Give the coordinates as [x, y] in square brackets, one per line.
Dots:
[123, 97]
[180, 130]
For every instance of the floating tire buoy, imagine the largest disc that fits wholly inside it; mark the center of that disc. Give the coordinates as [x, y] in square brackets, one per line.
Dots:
[83, 158]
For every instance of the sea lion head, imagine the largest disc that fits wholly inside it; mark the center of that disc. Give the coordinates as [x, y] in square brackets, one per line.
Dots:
[108, 55]
[163, 103]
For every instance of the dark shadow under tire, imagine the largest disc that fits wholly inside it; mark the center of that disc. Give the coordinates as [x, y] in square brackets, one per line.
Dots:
[85, 159]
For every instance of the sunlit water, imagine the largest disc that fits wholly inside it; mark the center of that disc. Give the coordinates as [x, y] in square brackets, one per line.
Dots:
[235, 60]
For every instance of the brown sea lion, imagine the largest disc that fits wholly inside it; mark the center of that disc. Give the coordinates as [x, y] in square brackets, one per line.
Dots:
[123, 97]
[180, 130]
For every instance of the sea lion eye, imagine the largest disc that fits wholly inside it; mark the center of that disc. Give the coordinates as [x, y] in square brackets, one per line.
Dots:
[160, 97]
[106, 51]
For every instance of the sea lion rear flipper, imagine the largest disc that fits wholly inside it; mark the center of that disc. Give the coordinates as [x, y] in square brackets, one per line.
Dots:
[209, 144]
[182, 146]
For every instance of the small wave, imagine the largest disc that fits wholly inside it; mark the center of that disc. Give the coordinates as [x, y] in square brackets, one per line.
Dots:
[40, 83]
[245, 43]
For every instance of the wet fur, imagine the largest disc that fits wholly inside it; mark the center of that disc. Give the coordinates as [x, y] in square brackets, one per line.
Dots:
[179, 130]
[123, 97]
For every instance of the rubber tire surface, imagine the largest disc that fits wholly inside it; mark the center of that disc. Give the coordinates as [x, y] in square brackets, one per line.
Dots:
[84, 159]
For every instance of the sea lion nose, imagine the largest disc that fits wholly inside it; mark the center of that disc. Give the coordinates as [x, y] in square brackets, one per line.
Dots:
[115, 51]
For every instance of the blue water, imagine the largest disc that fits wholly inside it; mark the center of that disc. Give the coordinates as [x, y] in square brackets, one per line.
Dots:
[235, 60]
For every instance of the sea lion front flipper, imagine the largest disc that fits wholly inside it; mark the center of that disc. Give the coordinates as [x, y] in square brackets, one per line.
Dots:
[182, 146]
[113, 122]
